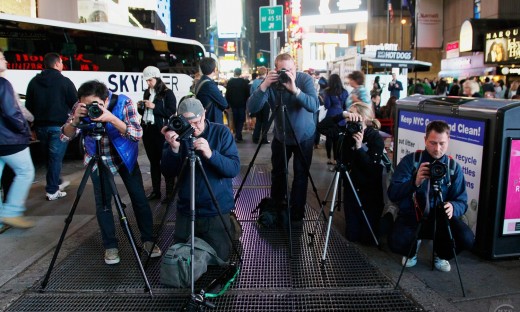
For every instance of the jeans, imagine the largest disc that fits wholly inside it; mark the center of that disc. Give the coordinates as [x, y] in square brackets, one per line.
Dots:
[403, 236]
[239, 117]
[134, 185]
[53, 150]
[300, 180]
[22, 165]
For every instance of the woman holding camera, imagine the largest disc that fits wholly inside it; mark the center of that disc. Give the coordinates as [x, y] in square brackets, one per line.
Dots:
[362, 150]
[158, 104]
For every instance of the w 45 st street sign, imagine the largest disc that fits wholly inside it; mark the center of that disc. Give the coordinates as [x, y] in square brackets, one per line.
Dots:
[271, 18]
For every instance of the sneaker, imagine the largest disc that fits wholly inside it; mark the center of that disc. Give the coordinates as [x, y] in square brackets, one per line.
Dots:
[411, 261]
[442, 265]
[59, 194]
[156, 251]
[63, 185]
[18, 222]
[112, 256]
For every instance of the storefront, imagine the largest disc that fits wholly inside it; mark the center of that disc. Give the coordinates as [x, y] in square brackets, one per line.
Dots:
[465, 66]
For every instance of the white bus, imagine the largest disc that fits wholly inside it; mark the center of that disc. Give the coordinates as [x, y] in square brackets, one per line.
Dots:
[115, 55]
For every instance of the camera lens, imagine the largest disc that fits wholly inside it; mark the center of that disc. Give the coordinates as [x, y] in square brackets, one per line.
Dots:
[437, 170]
[353, 127]
[94, 111]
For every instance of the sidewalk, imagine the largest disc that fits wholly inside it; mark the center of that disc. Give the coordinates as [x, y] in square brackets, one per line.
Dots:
[489, 285]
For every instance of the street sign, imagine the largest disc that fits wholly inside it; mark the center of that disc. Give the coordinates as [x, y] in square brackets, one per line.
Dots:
[271, 18]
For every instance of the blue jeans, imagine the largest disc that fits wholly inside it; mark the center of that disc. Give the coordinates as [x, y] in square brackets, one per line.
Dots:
[300, 180]
[143, 214]
[22, 165]
[53, 150]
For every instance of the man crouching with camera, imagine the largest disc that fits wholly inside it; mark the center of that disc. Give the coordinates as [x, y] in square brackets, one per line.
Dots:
[214, 144]
[414, 184]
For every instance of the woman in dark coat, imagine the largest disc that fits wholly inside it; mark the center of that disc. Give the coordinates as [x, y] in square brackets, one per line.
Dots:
[335, 97]
[361, 154]
[158, 104]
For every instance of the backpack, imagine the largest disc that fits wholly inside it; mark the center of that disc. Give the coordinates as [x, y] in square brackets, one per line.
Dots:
[194, 91]
[268, 213]
[175, 265]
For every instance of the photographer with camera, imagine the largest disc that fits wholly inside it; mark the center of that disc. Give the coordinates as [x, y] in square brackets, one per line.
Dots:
[413, 187]
[119, 125]
[158, 104]
[361, 150]
[294, 90]
[216, 148]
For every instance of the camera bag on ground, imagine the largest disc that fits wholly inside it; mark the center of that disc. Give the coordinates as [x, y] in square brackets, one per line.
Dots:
[175, 265]
[267, 213]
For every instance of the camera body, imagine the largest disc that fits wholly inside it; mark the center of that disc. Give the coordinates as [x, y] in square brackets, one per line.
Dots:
[438, 171]
[94, 110]
[353, 127]
[181, 126]
[140, 105]
[282, 76]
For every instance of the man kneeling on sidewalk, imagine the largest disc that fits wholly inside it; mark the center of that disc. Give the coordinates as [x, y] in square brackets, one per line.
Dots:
[412, 187]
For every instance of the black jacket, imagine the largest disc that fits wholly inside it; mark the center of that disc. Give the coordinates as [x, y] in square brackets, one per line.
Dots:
[237, 92]
[165, 106]
[50, 97]
[13, 126]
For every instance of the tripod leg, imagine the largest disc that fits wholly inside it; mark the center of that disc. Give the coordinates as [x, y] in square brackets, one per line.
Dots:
[346, 174]
[417, 231]
[452, 241]
[68, 220]
[123, 220]
[239, 191]
[331, 214]
[322, 207]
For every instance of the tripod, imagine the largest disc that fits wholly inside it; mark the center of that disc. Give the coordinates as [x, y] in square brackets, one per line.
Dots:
[284, 122]
[97, 133]
[341, 172]
[438, 205]
[197, 301]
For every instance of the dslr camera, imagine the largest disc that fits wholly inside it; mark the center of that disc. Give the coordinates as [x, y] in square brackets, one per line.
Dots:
[140, 105]
[353, 127]
[282, 76]
[93, 110]
[181, 126]
[438, 171]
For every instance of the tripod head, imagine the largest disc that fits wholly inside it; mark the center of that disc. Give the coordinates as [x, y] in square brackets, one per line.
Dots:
[93, 129]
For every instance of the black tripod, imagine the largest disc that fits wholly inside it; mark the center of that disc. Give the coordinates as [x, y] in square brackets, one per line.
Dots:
[438, 205]
[341, 174]
[97, 133]
[284, 119]
[197, 301]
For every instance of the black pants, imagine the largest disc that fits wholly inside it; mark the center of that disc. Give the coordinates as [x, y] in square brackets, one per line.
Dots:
[153, 141]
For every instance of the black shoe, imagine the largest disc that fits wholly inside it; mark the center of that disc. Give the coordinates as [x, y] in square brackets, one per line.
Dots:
[265, 141]
[154, 195]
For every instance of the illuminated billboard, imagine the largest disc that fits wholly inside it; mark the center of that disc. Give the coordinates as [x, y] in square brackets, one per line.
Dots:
[230, 18]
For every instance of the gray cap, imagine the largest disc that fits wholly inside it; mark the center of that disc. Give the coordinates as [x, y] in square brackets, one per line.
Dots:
[191, 105]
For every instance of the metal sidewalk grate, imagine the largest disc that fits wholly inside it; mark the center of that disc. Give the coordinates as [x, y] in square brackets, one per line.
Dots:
[250, 302]
[259, 175]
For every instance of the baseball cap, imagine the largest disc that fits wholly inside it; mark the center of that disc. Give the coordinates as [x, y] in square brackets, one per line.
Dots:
[191, 105]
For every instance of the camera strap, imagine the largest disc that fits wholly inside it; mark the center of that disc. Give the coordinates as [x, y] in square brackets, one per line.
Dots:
[113, 101]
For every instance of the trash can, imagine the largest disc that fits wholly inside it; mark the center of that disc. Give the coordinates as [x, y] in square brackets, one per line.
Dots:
[485, 141]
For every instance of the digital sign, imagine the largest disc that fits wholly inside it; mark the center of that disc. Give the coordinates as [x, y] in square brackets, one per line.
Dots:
[512, 202]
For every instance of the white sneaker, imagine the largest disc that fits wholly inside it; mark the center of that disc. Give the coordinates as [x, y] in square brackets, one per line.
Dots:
[411, 262]
[63, 185]
[59, 194]
[442, 265]
[112, 256]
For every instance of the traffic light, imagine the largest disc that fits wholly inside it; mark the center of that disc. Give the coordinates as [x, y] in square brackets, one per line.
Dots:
[260, 58]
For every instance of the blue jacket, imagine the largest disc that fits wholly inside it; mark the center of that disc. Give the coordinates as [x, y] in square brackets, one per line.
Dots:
[13, 126]
[402, 188]
[336, 105]
[126, 148]
[212, 100]
[395, 89]
[220, 169]
[300, 109]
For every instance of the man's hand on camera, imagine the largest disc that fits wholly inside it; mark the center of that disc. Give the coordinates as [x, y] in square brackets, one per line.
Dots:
[423, 173]
[448, 208]
[171, 137]
[202, 145]
[79, 112]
